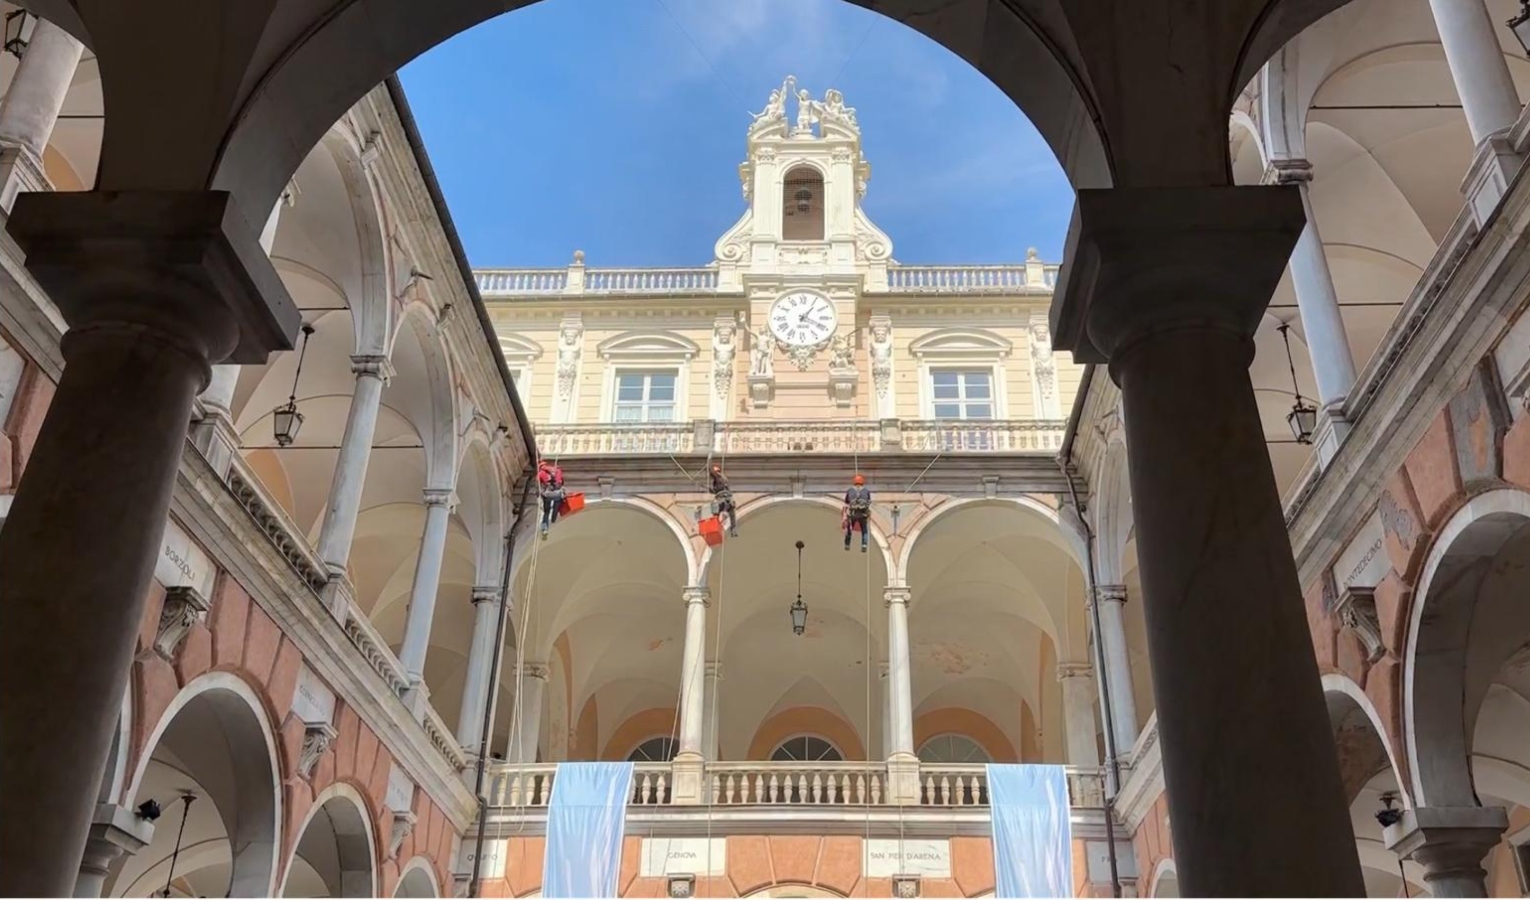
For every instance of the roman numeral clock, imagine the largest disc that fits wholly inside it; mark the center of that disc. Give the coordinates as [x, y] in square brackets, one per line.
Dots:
[804, 322]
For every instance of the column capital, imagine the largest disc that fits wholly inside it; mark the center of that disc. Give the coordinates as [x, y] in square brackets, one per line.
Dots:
[1152, 259]
[897, 594]
[114, 830]
[184, 266]
[701, 594]
[1449, 841]
[537, 670]
[713, 670]
[376, 366]
[441, 497]
[1070, 670]
[883, 667]
[486, 594]
[1288, 171]
[1110, 593]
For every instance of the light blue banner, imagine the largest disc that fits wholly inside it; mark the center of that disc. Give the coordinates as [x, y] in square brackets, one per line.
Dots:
[1032, 834]
[585, 821]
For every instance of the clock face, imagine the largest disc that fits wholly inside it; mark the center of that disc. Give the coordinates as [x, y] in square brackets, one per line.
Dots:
[803, 319]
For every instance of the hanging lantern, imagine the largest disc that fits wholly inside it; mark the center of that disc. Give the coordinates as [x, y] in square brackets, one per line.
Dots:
[1302, 418]
[17, 31]
[799, 609]
[1520, 24]
[286, 420]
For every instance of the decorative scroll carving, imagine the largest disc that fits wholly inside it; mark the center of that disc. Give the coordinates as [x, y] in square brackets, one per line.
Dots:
[317, 736]
[183, 608]
[403, 826]
[1356, 608]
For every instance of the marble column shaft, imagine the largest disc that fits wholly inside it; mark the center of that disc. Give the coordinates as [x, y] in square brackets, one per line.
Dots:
[900, 678]
[372, 376]
[1477, 66]
[475, 690]
[427, 582]
[693, 671]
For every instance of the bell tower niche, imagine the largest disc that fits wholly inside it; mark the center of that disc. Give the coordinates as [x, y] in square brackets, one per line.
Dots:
[803, 180]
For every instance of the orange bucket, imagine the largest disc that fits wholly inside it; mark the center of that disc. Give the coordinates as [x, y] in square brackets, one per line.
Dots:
[711, 530]
[571, 504]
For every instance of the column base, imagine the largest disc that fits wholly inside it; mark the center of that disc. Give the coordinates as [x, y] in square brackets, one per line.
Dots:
[687, 779]
[20, 171]
[1332, 429]
[338, 596]
[902, 780]
[114, 831]
[1493, 167]
[214, 435]
[1450, 842]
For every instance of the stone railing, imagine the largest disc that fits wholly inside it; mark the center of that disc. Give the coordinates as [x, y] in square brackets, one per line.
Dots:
[971, 279]
[275, 522]
[775, 436]
[602, 438]
[442, 738]
[1015, 278]
[374, 649]
[821, 436]
[740, 784]
[1004, 436]
[833, 783]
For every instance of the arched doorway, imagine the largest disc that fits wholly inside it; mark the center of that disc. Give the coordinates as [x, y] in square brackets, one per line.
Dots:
[213, 745]
[334, 858]
[417, 880]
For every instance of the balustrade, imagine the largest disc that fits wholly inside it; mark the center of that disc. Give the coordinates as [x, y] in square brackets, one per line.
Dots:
[800, 437]
[994, 436]
[1017, 278]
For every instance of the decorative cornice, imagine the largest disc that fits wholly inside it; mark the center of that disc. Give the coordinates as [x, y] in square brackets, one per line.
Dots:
[1288, 171]
[375, 366]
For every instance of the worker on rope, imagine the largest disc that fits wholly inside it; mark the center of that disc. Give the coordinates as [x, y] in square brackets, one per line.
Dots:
[857, 512]
[722, 499]
[550, 485]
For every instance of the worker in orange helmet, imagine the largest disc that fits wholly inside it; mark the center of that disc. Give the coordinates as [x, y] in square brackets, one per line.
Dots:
[857, 514]
[722, 499]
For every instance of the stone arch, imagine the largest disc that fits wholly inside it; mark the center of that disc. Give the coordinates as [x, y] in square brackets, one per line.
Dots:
[220, 744]
[1071, 542]
[114, 777]
[966, 723]
[758, 505]
[417, 879]
[372, 311]
[695, 568]
[1165, 880]
[1113, 514]
[337, 843]
[481, 496]
[1464, 601]
[1349, 708]
[440, 433]
[815, 721]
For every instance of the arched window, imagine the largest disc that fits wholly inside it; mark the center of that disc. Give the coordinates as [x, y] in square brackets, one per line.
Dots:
[953, 749]
[659, 749]
[806, 748]
[802, 205]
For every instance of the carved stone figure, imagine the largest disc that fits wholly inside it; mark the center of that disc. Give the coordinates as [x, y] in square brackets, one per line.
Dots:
[881, 351]
[724, 349]
[841, 354]
[807, 112]
[570, 340]
[774, 113]
[763, 348]
[1041, 355]
[833, 109]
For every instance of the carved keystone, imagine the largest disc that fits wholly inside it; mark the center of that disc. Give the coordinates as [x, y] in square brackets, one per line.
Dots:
[183, 608]
[1356, 608]
[317, 736]
[905, 886]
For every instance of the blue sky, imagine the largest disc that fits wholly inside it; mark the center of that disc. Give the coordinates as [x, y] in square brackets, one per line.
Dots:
[617, 127]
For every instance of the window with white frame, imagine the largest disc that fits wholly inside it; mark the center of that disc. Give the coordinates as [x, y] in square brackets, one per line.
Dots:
[961, 393]
[645, 396]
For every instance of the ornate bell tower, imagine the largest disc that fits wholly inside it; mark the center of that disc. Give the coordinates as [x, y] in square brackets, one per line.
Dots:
[804, 250]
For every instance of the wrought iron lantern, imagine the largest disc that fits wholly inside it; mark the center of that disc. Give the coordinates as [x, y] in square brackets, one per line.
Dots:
[804, 199]
[799, 609]
[1520, 25]
[17, 31]
[286, 420]
[1302, 418]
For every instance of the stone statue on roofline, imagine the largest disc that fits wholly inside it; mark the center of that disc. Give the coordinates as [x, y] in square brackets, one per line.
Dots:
[774, 113]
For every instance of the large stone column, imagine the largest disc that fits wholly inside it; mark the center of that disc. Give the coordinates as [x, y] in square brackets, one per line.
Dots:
[526, 731]
[427, 580]
[1477, 66]
[114, 831]
[1118, 664]
[475, 692]
[1317, 301]
[886, 692]
[1078, 712]
[30, 109]
[1168, 285]
[155, 287]
[902, 764]
[689, 766]
[709, 731]
[1450, 843]
[372, 375]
